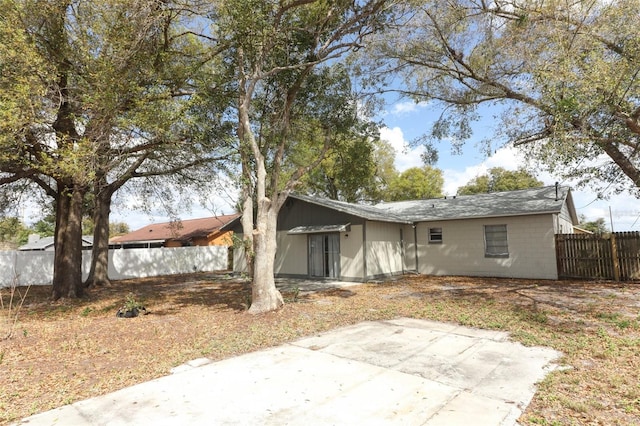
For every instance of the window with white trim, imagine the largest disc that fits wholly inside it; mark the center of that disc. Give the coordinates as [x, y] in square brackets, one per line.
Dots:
[495, 241]
[435, 235]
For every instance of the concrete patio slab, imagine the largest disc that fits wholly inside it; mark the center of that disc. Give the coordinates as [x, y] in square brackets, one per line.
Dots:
[405, 371]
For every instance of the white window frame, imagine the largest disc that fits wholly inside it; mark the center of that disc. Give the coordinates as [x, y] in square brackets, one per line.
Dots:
[496, 241]
[435, 235]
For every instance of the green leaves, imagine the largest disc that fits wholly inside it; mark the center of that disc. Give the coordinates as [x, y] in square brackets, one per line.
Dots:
[564, 75]
[12, 230]
[349, 172]
[293, 107]
[499, 179]
[416, 184]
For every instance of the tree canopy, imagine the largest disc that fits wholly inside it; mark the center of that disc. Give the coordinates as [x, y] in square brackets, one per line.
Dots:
[499, 179]
[415, 183]
[93, 95]
[597, 226]
[292, 105]
[13, 231]
[46, 226]
[564, 75]
[356, 169]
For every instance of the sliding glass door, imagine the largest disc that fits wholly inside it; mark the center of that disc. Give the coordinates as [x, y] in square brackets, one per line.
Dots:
[324, 255]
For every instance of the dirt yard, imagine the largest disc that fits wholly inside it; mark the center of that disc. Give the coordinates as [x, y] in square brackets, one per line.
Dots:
[66, 351]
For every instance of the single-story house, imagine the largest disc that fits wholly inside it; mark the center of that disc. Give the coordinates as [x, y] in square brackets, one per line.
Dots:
[192, 232]
[37, 243]
[503, 234]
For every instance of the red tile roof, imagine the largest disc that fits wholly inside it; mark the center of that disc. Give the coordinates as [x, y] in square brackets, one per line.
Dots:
[183, 230]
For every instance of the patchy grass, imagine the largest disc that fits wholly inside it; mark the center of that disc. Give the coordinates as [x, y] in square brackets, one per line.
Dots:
[71, 350]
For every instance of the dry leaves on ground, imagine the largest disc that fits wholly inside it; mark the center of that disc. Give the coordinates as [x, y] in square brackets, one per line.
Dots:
[74, 349]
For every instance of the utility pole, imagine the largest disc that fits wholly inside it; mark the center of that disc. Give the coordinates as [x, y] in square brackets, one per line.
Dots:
[611, 219]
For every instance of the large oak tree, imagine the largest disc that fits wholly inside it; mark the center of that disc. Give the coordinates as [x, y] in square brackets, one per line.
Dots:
[93, 96]
[563, 76]
[40, 136]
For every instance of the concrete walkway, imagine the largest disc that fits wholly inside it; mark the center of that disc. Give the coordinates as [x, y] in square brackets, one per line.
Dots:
[405, 371]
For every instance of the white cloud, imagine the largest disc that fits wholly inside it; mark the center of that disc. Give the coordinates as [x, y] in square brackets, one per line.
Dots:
[401, 108]
[454, 179]
[406, 157]
[506, 158]
[625, 209]
[29, 212]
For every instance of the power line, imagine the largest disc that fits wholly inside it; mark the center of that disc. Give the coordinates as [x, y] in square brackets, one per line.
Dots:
[621, 213]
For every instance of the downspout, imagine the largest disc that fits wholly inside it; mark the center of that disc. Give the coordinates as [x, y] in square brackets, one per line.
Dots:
[402, 250]
[364, 250]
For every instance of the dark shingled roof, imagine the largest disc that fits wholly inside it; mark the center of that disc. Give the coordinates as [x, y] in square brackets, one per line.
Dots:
[498, 204]
[543, 200]
[359, 210]
[47, 242]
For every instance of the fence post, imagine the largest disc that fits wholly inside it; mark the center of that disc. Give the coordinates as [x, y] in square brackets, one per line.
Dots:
[614, 257]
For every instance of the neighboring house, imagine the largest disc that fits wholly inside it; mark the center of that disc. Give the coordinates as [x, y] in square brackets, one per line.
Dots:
[37, 243]
[193, 232]
[506, 234]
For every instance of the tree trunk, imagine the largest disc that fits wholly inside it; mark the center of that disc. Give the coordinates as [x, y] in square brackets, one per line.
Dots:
[265, 296]
[247, 233]
[99, 272]
[67, 261]
[261, 241]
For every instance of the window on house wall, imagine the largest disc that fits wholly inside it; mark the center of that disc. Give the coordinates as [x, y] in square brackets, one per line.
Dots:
[495, 241]
[435, 235]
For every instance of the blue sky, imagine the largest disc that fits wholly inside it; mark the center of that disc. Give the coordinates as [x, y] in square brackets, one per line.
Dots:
[407, 120]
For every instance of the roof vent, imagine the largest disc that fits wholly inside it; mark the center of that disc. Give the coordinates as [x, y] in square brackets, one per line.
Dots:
[557, 191]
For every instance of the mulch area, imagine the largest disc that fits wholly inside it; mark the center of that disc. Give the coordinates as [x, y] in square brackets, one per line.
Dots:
[69, 350]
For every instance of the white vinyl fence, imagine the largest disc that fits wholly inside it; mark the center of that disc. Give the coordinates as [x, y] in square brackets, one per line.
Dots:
[36, 267]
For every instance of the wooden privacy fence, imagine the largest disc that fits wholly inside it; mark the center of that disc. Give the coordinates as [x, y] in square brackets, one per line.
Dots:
[615, 256]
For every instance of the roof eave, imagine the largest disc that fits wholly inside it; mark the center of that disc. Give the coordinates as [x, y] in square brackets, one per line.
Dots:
[568, 199]
[137, 241]
[487, 216]
[353, 212]
[227, 226]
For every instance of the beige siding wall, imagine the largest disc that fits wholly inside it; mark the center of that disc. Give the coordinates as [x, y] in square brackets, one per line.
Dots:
[530, 240]
[563, 223]
[384, 255]
[384, 251]
[351, 259]
[291, 256]
[409, 250]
